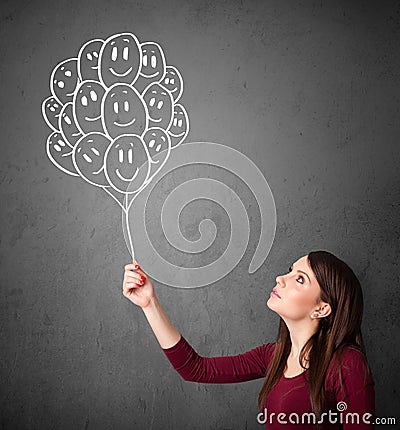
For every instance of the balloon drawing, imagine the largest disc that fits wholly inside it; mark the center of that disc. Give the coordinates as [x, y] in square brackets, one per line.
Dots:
[112, 109]
[116, 120]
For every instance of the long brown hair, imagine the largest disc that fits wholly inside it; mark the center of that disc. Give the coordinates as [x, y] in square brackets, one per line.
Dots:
[340, 288]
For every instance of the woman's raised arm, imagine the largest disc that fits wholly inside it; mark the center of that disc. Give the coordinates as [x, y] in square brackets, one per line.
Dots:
[185, 360]
[138, 288]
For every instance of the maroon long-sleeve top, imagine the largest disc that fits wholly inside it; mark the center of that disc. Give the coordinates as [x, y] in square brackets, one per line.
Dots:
[353, 400]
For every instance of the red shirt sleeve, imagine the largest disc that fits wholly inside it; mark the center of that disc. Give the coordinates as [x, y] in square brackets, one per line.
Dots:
[357, 390]
[218, 370]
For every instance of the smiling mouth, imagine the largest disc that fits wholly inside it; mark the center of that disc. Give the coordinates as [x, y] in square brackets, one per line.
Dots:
[177, 135]
[156, 120]
[67, 154]
[98, 171]
[150, 76]
[124, 125]
[94, 67]
[120, 75]
[95, 118]
[125, 179]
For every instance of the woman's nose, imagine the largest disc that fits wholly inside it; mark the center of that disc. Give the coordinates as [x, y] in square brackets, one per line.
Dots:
[279, 280]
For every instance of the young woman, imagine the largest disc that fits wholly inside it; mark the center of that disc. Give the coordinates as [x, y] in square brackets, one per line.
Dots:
[315, 375]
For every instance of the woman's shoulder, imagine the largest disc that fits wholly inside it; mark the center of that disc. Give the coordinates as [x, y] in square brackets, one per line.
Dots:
[349, 363]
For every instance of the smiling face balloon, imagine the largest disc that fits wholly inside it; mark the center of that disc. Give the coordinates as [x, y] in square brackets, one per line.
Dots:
[60, 153]
[87, 106]
[153, 65]
[173, 82]
[158, 144]
[120, 59]
[51, 110]
[88, 60]
[67, 125]
[88, 158]
[64, 80]
[123, 160]
[159, 104]
[123, 111]
[179, 128]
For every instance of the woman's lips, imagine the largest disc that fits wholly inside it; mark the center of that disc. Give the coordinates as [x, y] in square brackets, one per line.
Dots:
[274, 293]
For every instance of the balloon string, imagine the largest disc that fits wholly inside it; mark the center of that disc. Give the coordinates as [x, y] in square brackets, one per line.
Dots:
[126, 211]
[112, 195]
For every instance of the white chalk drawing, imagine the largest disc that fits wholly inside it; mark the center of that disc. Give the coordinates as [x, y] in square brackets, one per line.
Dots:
[67, 125]
[87, 106]
[153, 66]
[179, 128]
[173, 82]
[88, 60]
[116, 123]
[159, 103]
[51, 109]
[120, 59]
[64, 79]
[88, 158]
[123, 111]
[60, 153]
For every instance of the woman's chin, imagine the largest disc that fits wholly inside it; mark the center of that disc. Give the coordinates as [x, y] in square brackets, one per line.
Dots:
[269, 304]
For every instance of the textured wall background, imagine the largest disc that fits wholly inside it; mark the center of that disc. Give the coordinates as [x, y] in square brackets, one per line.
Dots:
[308, 90]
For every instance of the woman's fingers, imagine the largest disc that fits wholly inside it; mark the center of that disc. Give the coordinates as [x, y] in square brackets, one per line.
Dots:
[134, 275]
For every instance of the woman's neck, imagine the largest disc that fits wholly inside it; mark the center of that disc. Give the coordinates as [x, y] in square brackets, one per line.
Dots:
[300, 333]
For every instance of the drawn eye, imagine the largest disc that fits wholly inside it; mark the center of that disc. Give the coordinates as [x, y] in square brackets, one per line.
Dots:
[125, 53]
[84, 101]
[121, 155]
[160, 104]
[126, 105]
[130, 156]
[116, 107]
[114, 53]
[89, 56]
[153, 61]
[145, 61]
[93, 95]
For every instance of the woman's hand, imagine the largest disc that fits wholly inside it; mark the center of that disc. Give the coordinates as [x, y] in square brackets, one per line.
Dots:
[136, 286]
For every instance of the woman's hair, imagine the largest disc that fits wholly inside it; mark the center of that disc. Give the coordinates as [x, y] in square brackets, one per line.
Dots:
[342, 290]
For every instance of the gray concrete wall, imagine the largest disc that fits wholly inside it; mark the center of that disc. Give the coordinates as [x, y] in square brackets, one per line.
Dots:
[308, 90]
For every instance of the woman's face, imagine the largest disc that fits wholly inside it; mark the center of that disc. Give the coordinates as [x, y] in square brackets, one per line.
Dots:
[299, 292]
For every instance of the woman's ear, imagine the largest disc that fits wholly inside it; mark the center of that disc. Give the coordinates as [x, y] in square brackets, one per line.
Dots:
[323, 311]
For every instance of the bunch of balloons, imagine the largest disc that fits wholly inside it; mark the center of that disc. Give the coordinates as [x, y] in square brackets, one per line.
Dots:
[114, 114]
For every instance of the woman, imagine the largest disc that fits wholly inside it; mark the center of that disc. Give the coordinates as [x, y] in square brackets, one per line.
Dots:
[316, 375]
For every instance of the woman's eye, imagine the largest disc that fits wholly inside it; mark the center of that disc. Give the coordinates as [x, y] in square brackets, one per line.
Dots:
[302, 280]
